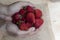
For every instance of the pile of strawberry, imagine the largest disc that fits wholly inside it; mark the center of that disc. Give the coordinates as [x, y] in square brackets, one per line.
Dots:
[28, 17]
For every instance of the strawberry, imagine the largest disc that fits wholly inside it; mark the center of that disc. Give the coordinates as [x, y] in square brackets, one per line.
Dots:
[29, 9]
[22, 12]
[29, 24]
[30, 17]
[23, 19]
[38, 23]
[13, 21]
[24, 26]
[16, 16]
[38, 13]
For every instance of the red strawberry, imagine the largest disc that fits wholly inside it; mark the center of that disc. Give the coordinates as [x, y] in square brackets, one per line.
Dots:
[38, 23]
[24, 26]
[29, 24]
[38, 13]
[30, 17]
[13, 21]
[23, 19]
[16, 16]
[29, 9]
[22, 12]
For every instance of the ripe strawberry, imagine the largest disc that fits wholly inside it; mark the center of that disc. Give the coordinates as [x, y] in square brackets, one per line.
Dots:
[24, 26]
[23, 19]
[30, 17]
[29, 24]
[38, 13]
[22, 12]
[38, 23]
[29, 9]
[16, 16]
[13, 21]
